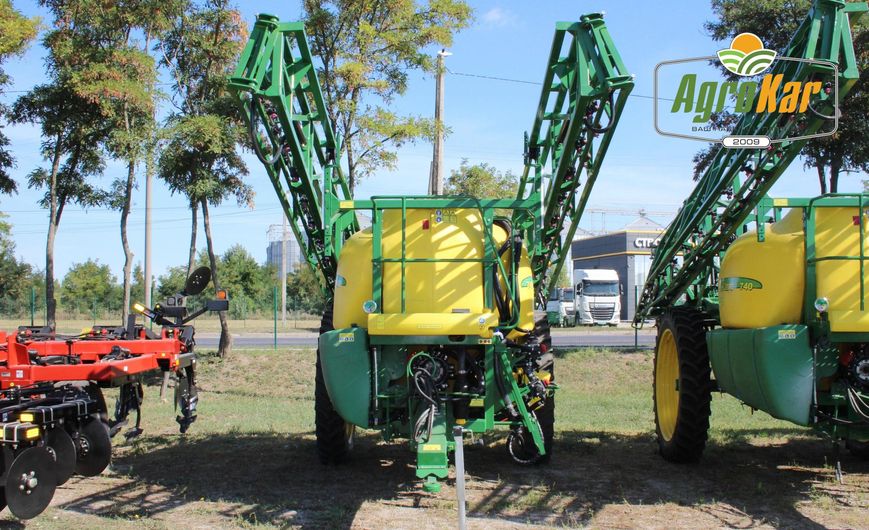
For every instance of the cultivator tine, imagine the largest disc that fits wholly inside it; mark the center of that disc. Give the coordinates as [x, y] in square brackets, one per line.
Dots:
[186, 398]
[129, 398]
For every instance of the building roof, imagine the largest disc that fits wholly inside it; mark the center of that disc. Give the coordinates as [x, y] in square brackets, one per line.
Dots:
[641, 224]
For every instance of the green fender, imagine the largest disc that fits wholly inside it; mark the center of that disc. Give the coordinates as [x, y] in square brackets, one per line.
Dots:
[346, 363]
[770, 369]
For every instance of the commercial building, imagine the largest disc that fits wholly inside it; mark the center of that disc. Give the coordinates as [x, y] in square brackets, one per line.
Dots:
[627, 251]
[294, 254]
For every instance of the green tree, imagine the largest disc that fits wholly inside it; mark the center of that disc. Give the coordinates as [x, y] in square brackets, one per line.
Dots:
[481, 181]
[15, 275]
[112, 69]
[87, 284]
[16, 33]
[74, 129]
[367, 49]
[137, 291]
[172, 282]
[72, 132]
[775, 21]
[249, 284]
[200, 157]
[304, 293]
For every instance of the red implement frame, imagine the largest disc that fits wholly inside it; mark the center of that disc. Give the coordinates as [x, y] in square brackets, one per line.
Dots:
[89, 361]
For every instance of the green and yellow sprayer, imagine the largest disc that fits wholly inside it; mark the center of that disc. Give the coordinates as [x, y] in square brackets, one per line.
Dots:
[431, 323]
[765, 298]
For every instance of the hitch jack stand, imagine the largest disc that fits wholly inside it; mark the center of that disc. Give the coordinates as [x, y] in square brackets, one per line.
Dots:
[458, 436]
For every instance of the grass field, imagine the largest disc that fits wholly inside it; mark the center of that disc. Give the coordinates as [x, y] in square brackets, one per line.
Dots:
[249, 461]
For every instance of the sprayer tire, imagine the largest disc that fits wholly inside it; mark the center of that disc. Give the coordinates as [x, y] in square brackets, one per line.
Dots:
[858, 449]
[546, 414]
[682, 410]
[334, 435]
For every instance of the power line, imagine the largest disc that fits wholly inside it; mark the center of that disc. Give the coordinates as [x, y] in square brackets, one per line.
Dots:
[98, 209]
[494, 78]
[102, 224]
[525, 82]
[34, 86]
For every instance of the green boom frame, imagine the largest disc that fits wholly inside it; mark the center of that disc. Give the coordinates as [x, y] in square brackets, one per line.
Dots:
[585, 89]
[738, 179]
[789, 371]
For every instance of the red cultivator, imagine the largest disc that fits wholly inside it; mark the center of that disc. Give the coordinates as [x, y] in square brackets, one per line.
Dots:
[53, 415]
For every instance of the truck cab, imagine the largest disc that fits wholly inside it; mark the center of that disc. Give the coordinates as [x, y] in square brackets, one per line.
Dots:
[597, 297]
[560, 307]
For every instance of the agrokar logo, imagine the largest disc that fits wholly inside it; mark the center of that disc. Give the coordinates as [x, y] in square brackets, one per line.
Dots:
[746, 55]
[748, 110]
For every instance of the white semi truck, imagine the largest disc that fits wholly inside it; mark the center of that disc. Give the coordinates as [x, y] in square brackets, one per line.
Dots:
[559, 307]
[597, 295]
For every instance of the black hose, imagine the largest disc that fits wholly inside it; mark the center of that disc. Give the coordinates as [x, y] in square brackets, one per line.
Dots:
[500, 299]
[429, 391]
[257, 148]
[597, 129]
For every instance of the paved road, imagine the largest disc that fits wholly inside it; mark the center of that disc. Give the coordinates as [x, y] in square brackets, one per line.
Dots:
[564, 340]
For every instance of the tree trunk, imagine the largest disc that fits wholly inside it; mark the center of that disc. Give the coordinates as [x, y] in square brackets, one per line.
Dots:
[53, 219]
[834, 177]
[128, 254]
[225, 346]
[822, 178]
[351, 171]
[191, 256]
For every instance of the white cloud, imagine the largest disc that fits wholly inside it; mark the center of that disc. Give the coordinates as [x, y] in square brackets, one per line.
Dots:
[498, 17]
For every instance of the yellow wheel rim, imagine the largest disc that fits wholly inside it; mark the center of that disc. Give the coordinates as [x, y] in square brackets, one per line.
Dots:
[666, 384]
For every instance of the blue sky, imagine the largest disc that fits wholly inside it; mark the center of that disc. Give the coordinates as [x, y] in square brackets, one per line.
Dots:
[487, 118]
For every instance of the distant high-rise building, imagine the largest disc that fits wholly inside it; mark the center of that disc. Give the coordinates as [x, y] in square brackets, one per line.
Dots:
[294, 254]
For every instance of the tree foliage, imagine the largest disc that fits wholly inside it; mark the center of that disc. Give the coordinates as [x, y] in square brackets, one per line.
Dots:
[303, 291]
[249, 283]
[87, 284]
[16, 33]
[14, 273]
[200, 157]
[368, 49]
[482, 181]
[72, 133]
[775, 21]
[106, 52]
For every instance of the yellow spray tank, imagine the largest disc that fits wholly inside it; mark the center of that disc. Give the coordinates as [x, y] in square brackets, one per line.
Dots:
[763, 283]
[441, 298]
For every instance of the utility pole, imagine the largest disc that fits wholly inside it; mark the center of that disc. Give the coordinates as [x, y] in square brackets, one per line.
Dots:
[436, 179]
[149, 177]
[284, 272]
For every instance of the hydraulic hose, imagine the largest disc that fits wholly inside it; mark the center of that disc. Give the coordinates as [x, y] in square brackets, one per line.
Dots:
[596, 128]
[257, 147]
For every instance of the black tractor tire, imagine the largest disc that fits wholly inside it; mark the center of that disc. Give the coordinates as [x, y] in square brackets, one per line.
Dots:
[545, 414]
[543, 330]
[334, 435]
[858, 449]
[682, 360]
